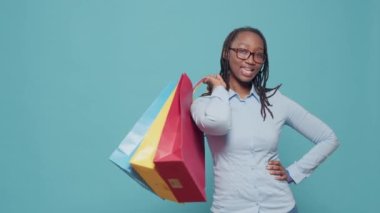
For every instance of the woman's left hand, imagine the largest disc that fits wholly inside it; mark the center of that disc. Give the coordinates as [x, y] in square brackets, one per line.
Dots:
[275, 168]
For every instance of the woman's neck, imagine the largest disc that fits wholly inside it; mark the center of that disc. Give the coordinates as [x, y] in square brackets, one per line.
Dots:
[241, 88]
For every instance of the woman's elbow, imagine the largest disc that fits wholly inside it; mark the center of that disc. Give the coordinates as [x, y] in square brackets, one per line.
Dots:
[334, 141]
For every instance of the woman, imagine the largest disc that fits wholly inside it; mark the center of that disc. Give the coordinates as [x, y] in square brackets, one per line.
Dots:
[242, 120]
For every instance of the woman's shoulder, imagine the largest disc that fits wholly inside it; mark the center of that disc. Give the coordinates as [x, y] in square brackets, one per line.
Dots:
[276, 95]
[281, 101]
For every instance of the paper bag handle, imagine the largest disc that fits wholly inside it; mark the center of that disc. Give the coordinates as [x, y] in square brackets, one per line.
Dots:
[197, 85]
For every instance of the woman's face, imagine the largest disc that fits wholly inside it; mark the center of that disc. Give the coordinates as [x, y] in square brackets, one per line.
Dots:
[243, 71]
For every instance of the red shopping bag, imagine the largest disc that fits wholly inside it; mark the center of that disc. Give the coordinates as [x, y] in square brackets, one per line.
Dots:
[180, 156]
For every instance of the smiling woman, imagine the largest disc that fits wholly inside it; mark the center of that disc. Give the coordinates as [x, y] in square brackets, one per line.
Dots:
[243, 67]
[248, 174]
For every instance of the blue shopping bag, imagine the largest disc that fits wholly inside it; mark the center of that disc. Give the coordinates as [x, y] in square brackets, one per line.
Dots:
[123, 153]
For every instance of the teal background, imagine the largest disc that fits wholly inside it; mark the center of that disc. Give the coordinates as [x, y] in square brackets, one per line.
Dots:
[75, 75]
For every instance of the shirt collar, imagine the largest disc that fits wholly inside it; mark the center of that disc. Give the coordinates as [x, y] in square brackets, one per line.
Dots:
[252, 93]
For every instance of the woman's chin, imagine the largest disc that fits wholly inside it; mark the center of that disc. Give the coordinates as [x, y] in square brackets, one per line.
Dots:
[246, 78]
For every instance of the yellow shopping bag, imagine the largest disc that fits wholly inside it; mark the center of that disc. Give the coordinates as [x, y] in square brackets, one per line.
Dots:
[142, 160]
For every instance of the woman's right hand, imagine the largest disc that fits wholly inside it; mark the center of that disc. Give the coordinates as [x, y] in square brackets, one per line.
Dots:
[213, 81]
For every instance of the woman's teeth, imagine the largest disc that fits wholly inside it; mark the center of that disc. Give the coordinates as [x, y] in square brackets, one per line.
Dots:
[246, 69]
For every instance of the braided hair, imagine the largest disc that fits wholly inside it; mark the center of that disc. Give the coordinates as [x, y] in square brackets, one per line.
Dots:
[260, 80]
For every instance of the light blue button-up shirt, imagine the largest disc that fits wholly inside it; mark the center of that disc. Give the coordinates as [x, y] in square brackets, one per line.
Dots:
[242, 143]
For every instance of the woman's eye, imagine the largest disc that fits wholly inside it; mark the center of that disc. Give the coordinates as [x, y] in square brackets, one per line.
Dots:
[243, 51]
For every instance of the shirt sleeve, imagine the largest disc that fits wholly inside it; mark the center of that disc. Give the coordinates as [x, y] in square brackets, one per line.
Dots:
[324, 139]
[212, 113]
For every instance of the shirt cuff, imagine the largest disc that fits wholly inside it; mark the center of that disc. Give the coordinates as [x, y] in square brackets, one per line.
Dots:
[296, 173]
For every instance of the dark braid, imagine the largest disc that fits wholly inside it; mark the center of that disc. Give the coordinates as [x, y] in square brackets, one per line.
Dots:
[260, 79]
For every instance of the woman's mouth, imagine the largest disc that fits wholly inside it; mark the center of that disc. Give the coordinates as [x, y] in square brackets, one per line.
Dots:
[246, 71]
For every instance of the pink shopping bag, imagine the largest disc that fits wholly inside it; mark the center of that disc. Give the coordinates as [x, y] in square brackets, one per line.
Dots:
[180, 156]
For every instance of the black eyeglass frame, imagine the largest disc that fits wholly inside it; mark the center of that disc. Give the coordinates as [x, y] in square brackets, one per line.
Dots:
[236, 50]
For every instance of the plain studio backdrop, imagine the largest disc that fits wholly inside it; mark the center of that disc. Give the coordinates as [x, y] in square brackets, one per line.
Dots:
[75, 75]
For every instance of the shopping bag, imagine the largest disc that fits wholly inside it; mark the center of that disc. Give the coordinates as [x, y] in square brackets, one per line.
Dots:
[142, 159]
[123, 153]
[180, 156]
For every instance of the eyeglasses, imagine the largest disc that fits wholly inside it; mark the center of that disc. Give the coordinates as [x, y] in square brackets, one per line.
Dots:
[244, 54]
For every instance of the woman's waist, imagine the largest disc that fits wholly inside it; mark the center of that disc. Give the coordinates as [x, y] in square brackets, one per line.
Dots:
[243, 160]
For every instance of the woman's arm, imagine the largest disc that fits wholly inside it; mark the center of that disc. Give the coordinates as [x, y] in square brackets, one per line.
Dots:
[212, 113]
[317, 132]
